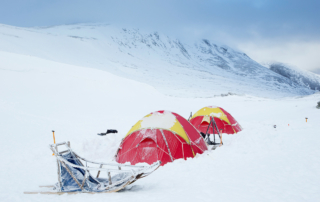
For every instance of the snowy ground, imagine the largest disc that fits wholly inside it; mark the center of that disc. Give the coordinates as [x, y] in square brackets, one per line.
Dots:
[259, 164]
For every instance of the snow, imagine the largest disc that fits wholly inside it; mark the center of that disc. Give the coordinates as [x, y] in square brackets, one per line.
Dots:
[299, 76]
[39, 94]
[216, 114]
[159, 120]
[174, 67]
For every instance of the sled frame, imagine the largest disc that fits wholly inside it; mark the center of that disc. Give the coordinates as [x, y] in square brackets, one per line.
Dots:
[115, 168]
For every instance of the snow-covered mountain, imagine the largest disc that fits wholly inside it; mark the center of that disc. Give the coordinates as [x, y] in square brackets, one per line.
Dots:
[172, 66]
[299, 76]
[317, 71]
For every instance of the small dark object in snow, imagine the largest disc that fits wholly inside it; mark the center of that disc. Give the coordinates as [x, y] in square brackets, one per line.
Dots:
[108, 131]
[275, 126]
[318, 105]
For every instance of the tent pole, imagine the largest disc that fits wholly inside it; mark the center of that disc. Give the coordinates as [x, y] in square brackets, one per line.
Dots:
[208, 130]
[217, 130]
[220, 135]
[190, 116]
[214, 136]
[164, 138]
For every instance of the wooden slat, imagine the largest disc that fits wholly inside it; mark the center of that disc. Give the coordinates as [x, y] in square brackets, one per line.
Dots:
[72, 175]
[109, 175]
[84, 179]
[99, 171]
[46, 186]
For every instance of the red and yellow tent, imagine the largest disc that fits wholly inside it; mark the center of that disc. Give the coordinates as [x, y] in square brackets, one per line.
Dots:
[225, 122]
[161, 135]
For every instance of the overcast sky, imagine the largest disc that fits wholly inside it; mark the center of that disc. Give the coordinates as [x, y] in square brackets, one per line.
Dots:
[286, 31]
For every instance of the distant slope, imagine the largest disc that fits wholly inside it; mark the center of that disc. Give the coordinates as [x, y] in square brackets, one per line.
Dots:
[299, 76]
[176, 68]
[316, 71]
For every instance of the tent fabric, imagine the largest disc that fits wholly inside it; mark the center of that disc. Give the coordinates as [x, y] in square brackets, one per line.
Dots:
[225, 122]
[161, 135]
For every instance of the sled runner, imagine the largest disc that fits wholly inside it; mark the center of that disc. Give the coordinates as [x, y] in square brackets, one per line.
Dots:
[75, 176]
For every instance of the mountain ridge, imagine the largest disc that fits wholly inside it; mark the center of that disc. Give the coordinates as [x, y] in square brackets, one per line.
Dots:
[173, 67]
[304, 78]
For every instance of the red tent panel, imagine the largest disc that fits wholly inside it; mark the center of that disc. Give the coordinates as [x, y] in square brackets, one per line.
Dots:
[152, 148]
[222, 125]
[193, 134]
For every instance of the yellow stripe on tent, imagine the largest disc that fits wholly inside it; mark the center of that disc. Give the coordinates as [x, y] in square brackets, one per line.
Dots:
[215, 112]
[176, 128]
[182, 133]
[136, 127]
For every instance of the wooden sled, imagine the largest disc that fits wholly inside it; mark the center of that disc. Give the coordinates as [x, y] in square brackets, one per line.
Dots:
[74, 177]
